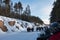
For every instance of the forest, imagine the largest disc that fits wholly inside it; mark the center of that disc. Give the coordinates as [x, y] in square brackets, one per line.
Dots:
[16, 11]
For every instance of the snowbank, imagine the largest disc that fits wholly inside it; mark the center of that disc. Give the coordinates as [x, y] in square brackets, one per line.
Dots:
[18, 26]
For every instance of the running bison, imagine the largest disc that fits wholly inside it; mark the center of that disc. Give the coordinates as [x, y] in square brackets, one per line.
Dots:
[30, 29]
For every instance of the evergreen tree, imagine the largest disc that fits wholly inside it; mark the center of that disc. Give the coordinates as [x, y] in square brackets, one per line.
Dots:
[6, 2]
[7, 7]
[55, 14]
[20, 8]
[27, 11]
[11, 7]
[16, 8]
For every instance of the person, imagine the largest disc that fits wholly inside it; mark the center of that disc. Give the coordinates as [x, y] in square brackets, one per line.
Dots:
[55, 28]
[56, 36]
[52, 33]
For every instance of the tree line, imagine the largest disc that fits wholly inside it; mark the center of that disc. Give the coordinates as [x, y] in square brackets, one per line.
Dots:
[16, 11]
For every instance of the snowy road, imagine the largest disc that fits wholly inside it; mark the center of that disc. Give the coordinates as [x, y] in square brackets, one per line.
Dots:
[20, 36]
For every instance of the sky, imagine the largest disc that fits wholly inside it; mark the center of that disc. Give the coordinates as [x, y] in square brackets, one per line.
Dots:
[39, 8]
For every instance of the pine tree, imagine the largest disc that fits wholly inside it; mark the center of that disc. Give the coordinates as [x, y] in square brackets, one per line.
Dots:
[16, 7]
[27, 11]
[55, 14]
[20, 8]
[11, 7]
[6, 2]
[7, 7]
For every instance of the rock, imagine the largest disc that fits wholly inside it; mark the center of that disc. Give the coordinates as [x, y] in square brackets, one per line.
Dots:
[1, 23]
[4, 29]
[11, 23]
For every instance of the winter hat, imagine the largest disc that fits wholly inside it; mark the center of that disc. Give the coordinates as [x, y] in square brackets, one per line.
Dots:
[54, 24]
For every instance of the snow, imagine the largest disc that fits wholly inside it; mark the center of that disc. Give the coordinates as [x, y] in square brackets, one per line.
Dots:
[18, 34]
[10, 28]
[1, 32]
[1, 19]
[18, 23]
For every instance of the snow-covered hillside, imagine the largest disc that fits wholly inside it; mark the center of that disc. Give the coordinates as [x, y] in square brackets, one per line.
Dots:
[17, 31]
[19, 25]
[22, 25]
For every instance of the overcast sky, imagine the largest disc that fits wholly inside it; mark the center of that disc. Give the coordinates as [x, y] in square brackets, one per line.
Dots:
[39, 8]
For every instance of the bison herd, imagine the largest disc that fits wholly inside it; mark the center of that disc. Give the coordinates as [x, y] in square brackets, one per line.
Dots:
[37, 29]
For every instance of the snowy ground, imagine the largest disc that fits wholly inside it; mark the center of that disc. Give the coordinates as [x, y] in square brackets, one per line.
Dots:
[19, 36]
[18, 23]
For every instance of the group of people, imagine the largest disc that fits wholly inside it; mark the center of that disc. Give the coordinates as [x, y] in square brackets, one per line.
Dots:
[51, 33]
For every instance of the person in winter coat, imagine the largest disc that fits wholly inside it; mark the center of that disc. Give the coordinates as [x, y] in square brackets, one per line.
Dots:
[55, 36]
[55, 28]
[52, 33]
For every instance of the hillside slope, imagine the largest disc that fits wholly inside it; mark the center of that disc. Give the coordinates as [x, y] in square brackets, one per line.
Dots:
[14, 25]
